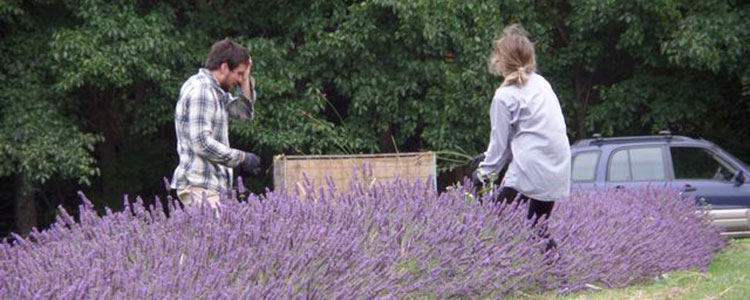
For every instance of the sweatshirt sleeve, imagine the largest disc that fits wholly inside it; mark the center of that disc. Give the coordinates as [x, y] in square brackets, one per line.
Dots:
[498, 152]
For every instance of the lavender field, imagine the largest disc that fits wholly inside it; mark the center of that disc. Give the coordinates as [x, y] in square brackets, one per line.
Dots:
[393, 241]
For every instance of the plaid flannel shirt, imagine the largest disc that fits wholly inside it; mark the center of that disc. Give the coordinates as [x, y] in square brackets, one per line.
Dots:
[201, 123]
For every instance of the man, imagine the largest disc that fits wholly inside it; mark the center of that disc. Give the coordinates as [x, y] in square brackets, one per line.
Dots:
[201, 123]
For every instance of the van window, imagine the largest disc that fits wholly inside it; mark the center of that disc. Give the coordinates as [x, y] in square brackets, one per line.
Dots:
[637, 164]
[619, 167]
[699, 163]
[584, 166]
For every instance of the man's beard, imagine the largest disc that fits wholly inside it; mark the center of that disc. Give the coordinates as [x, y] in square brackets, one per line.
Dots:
[226, 86]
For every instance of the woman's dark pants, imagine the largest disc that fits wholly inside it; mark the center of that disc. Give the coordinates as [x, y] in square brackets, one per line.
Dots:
[537, 209]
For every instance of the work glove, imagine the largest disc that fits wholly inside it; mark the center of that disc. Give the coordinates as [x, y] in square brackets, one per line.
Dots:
[475, 161]
[481, 177]
[478, 179]
[250, 165]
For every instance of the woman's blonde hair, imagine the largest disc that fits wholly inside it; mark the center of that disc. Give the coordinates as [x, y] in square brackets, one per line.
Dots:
[513, 56]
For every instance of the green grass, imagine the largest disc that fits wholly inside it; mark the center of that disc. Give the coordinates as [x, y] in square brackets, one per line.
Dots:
[727, 278]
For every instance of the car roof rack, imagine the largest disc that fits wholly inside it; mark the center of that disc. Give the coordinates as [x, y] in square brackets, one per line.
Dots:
[664, 135]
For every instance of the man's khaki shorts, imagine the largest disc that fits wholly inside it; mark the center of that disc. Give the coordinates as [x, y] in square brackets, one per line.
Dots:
[193, 196]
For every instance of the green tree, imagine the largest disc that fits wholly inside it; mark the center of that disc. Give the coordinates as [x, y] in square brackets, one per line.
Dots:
[38, 140]
[89, 86]
[640, 66]
[119, 64]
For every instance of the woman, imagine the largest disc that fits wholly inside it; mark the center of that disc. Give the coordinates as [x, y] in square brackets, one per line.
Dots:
[528, 130]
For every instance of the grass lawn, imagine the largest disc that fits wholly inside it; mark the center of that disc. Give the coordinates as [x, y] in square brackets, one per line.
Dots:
[728, 278]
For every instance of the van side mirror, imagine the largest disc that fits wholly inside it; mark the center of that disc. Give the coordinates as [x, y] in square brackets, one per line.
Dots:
[739, 178]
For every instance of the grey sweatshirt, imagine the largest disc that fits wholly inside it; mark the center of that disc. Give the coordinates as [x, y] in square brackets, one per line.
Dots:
[528, 129]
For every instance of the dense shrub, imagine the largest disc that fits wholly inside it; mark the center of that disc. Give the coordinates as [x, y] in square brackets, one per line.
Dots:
[386, 242]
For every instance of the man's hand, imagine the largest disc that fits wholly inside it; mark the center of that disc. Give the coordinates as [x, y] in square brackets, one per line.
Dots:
[250, 165]
[248, 82]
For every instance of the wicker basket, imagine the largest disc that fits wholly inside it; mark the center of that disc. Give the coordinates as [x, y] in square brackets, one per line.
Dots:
[289, 170]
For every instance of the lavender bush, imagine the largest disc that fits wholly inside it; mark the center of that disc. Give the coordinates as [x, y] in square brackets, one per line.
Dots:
[616, 237]
[391, 241]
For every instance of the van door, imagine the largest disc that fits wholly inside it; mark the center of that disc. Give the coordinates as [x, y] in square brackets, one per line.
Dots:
[705, 176]
[637, 167]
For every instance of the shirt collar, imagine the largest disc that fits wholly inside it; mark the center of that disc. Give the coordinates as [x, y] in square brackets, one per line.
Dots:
[215, 83]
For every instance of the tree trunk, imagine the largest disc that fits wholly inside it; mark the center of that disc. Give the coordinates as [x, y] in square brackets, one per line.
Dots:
[107, 120]
[25, 206]
[385, 141]
[582, 92]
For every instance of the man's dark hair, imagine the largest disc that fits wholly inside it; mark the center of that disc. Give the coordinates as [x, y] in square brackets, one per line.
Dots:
[226, 51]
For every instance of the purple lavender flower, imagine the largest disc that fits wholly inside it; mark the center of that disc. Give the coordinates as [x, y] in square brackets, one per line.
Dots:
[385, 241]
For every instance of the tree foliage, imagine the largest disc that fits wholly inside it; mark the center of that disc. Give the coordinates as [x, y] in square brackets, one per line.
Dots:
[38, 139]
